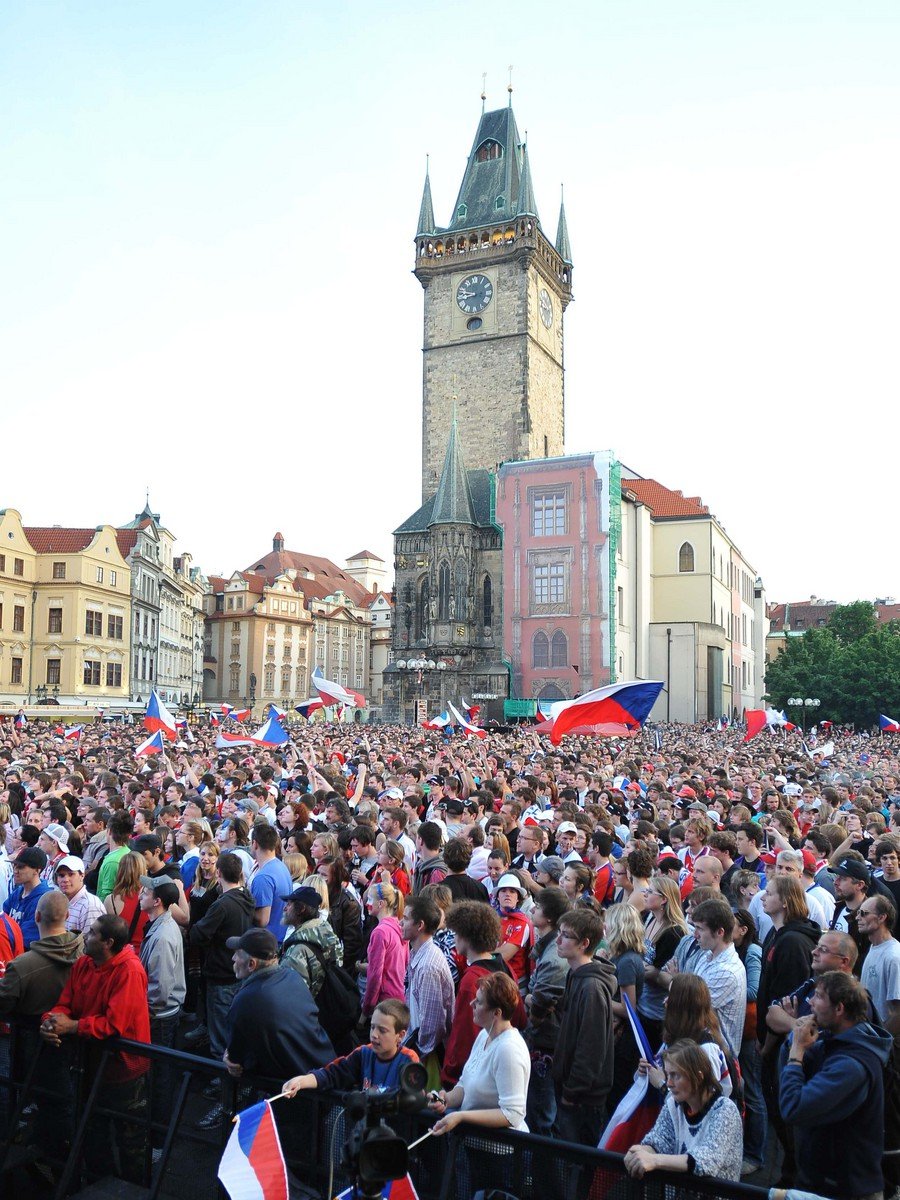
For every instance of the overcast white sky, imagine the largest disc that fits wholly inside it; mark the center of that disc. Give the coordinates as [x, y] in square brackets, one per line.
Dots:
[208, 212]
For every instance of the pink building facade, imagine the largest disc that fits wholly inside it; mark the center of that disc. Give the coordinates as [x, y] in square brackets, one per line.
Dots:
[560, 520]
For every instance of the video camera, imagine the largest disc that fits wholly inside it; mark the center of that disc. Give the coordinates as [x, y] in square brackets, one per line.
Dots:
[373, 1152]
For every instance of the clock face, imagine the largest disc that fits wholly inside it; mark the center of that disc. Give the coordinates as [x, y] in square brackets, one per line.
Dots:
[475, 293]
[546, 306]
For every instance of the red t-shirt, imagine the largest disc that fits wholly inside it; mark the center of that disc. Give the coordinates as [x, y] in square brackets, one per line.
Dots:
[518, 930]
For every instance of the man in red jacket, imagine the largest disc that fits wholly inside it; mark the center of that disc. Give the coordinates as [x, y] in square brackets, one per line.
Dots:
[105, 996]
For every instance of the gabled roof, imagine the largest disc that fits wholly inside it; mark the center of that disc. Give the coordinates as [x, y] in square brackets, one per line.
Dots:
[322, 570]
[494, 178]
[56, 540]
[663, 502]
[364, 554]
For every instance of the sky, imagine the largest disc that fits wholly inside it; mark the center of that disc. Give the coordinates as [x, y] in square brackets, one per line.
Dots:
[208, 212]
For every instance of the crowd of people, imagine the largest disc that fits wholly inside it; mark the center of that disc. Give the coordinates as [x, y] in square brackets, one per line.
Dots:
[503, 910]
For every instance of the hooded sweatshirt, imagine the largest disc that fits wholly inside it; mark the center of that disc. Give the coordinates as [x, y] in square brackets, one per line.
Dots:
[229, 916]
[34, 981]
[583, 1062]
[835, 1102]
[786, 964]
[387, 961]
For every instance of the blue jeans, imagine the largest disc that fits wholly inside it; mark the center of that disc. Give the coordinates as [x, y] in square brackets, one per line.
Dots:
[540, 1106]
[218, 1003]
[755, 1119]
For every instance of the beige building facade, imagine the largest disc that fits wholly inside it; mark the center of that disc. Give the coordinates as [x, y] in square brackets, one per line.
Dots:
[65, 614]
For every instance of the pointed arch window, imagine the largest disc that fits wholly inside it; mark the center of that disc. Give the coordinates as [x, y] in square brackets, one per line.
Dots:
[488, 150]
[559, 650]
[540, 651]
[686, 558]
[487, 602]
[444, 592]
[460, 599]
[422, 610]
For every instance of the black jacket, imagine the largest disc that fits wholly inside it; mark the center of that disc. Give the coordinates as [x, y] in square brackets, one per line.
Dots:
[583, 1062]
[786, 964]
[345, 919]
[273, 1026]
[464, 887]
[229, 916]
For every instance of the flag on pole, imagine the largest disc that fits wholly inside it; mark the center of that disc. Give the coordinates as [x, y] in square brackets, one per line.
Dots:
[306, 708]
[274, 711]
[20, 721]
[158, 717]
[888, 724]
[252, 1166]
[441, 721]
[756, 720]
[333, 693]
[155, 744]
[73, 733]
[236, 714]
[471, 730]
[272, 733]
[471, 710]
[639, 1107]
[627, 704]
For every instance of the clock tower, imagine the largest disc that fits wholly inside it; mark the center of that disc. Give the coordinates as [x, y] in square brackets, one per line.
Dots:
[496, 290]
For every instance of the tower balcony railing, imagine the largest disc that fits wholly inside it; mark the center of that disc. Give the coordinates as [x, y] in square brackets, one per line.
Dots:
[480, 244]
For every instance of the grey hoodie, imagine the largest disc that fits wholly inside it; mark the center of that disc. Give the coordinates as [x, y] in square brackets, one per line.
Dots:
[34, 981]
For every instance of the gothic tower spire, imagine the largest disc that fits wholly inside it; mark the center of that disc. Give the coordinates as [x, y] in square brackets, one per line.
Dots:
[426, 208]
[453, 501]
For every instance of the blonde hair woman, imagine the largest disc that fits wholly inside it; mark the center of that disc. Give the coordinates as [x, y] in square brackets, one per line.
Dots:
[624, 938]
[298, 867]
[664, 928]
[388, 951]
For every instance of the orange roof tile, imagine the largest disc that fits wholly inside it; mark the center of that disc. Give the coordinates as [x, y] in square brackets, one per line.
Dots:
[59, 541]
[663, 502]
[365, 554]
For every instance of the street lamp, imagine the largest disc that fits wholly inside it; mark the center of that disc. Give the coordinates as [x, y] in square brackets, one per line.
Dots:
[419, 666]
[803, 705]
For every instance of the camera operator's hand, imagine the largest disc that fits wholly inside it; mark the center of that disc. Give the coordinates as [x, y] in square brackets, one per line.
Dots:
[437, 1101]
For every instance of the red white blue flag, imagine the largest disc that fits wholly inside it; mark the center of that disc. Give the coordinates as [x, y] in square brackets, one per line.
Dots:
[639, 1107]
[236, 714]
[306, 708]
[439, 722]
[73, 733]
[888, 724]
[470, 729]
[333, 693]
[154, 744]
[158, 716]
[252, 1166]
[626, 704]
[271, 734]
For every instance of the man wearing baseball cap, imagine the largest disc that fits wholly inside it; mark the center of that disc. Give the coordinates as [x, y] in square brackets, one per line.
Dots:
[84, 906]
[852, 883]
[162, 957]
[565, 841]
[28, 887]
[54, 841]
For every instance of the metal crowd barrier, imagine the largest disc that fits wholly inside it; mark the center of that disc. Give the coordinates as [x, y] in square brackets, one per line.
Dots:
[62, 1127]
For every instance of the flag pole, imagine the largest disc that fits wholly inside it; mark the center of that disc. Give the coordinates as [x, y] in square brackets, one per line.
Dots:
[270, 1100]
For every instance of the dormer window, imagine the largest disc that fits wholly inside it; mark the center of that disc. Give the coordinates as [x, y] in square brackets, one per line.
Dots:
[488, 150]
[500, 202]
[462, 212]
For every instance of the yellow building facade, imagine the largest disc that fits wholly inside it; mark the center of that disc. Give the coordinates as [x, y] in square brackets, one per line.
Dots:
[65, 615]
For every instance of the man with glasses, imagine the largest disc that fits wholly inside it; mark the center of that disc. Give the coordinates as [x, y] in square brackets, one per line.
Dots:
[530, 846]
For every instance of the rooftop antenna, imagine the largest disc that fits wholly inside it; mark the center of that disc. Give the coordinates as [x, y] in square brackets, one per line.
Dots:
[483, 90]
[509, 85]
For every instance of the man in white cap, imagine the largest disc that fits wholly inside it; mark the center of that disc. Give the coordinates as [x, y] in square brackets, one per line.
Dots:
[54, 841]
[84, 906]
[565, 841]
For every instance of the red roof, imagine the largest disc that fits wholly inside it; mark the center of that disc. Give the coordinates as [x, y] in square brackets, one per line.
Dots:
[663, 502]
[364, 554]
[59, 541]
[126, 539]
[324, 571]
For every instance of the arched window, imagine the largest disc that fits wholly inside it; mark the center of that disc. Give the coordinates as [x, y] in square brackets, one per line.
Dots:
[488, 150]
[559, 650]
[487, 603]
[686, 557]
[444, 592]
[460, 599]
[551, 692]
[422, 610]
[540, 650]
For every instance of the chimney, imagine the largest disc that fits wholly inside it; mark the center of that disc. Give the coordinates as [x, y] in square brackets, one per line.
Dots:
[278, 543]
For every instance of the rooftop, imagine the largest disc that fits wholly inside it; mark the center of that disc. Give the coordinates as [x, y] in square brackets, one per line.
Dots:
[663, 502]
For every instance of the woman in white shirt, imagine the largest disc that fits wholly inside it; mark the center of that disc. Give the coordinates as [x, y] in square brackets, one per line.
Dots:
[494, 1082]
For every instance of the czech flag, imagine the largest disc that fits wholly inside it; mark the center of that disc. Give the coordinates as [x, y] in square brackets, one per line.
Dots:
[213, 719]
[154, 744]
[332, 693]
[306, 708]
[271, 734]
[640, 1106]
[274, 711]
[888, 724]
[627, 704]
[471, 710]
[394, 1189]
[158, 717]
[471, 730]
[73, 734]
[252, 1167]
[236, 714]
[439, 722]
[224, 741]
[20, 721]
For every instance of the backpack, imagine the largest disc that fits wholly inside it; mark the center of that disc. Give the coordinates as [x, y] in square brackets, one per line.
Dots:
[338, 999]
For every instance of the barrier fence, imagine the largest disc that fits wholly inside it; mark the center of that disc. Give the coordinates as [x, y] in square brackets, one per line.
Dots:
[67, 1120]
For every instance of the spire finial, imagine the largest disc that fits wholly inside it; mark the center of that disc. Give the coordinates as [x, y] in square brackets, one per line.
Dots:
[147, 495]
[483, 90]
[427, 164]
[509, 85]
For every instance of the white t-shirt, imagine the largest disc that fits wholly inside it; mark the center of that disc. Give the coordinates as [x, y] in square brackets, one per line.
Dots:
[496, 1075]
[881, 975]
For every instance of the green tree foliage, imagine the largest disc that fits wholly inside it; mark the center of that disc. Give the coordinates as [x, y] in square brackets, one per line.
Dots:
[852, 666]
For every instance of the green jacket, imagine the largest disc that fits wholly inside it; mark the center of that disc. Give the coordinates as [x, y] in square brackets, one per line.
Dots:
[296, 952]
[106, 880]
[34, 981]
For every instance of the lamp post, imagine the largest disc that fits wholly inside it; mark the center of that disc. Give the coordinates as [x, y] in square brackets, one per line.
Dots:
[803, 705]
[418, 667]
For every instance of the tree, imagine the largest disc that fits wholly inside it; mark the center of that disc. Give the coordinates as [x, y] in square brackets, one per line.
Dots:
[850, 622]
